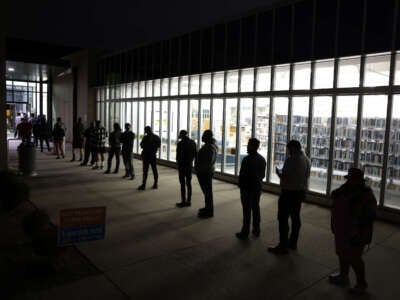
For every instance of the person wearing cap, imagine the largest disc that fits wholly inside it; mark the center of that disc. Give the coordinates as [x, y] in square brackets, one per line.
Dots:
[352, 215]
[127, 139]
[205, 167]
[252, 172]
[185, 154]
[294, 184]
[150, 145]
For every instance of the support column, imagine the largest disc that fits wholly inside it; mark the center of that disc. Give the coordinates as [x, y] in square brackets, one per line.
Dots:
[3, 122]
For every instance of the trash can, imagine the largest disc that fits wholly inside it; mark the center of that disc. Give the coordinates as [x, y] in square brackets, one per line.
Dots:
[27, 158]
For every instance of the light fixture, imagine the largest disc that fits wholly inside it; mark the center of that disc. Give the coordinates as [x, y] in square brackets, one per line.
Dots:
[11, 69]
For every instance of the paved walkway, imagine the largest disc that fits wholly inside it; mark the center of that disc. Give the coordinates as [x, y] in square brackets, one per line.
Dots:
[153, 250]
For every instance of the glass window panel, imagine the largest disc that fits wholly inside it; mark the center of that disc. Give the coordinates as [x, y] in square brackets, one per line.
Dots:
[122, 88]
[117, 92]
[165, 87]
[164, 128]
[373, 127]
[122, 118]
[134, 124]
[232, 81]
[282, 76]
[263, 79]
[230, 135]
[156, 117]
[149, 88]
[135, 90]
[299, 129]
[279, 135]
[246, 126]
[377, 69]
[397, 70]
[323, 74]
[128, 114]
[44, 111]
[247, 80]
[302, 75]
[149, 110]
[184, 85]
[320, 140]
[392, 187]
[217, 128]
[345, 138]
[206, 83]
[349, 72]
[141, 123]
[194, 120]
[107, 114]
[183, 114]
[218, 83]
[174, 86]
[173, 119]
[157, 87]
[44, 87]
[129, 90]
[142, 89]
[205, 115]
[98, 115]
[262, 125]
[194, 84]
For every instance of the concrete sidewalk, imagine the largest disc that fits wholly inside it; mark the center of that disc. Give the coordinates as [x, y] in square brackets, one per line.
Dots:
[153, 250]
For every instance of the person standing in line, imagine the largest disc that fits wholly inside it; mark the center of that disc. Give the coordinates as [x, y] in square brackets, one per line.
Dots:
[100, 135]
[205, 167]
[185, 154]
[44, 133]
[24, 130]
[252, 172]
[150, 144]
[35, 129]
[77, 139]
[127, 139]
[115, 148]
[58, 138]
[353, 212]
[294, 184]
[88, 135]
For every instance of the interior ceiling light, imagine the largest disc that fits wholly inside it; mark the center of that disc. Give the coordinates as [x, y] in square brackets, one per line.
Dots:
[11, 69]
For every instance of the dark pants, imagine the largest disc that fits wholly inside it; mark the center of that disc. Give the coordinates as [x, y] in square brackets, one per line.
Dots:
[289, 205]
[205, 181]
[357, 263]
[36, 140]
[87, 151]
[185, 179]
[127, 158]
[250, 203]
[146, 164]
[46, 139]
[113, 151]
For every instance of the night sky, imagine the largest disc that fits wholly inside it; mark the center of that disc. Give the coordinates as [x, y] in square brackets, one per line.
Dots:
[116, 24]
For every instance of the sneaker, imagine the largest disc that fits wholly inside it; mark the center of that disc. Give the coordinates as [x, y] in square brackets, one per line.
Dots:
[205, 214]
[278, 250]
[57, 157]
[72, 160]
[132, 177]
[141, 187]
[292, 247]
[339, 279]
[181, 204]
[95, 167]
[115, 172]
[242, 235]
[82, 164]
[155, 186]
[256, 232]
[107, 172]
[125, 176]
[358, 289]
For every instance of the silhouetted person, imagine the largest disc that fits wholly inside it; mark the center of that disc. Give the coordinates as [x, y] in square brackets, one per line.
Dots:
[205, 167]
[252, 172]
[77, 139]
[58, 137]
[35, 129]
[353, 213]
[44, 133]
[185, 154]
[24, 130]
[294, 183]
[150, 144]
[114, 141]
[88, 135]
[127, 139]
[99, 143]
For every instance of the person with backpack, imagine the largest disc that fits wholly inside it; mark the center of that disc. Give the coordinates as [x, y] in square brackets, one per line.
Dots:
[185, 154]
[58, 137]
[353, 212]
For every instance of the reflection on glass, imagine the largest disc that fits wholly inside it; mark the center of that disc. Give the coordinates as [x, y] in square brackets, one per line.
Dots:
[184, 85]
[165, 87]
[377, 69]
[246, 126]
[205, 115]
[183, 115]
[279, 135]
[263, 79]
[217, 128]
[299, 129]
[174, 86]
[302, 75]
[206, 83]
[247, 80]
[194, 120]
[194, 84]
[149, 88]
[149, 109]
[345, 138]
[320, 140]
[173, 119]
[156, 118]
[373, 125]
[157, 87]
[134, 125]
[349, 72]
[230, 135]
[164, 128]
[282, 76]
[323, 74]
[392, 187]
[262, 125]
[232, 80]
[218, 83]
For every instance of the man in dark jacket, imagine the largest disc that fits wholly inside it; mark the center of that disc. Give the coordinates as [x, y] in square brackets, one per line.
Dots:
[127, 139]
[150, 144]
[185, 154]
[88, 134]
[252, 172]
[115, 148]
